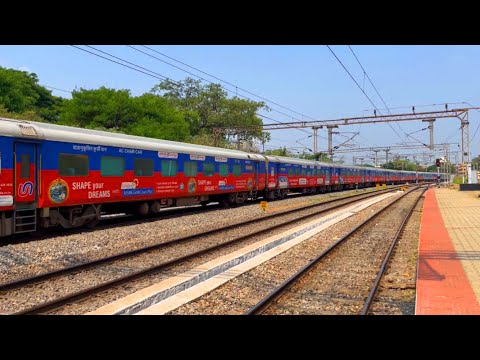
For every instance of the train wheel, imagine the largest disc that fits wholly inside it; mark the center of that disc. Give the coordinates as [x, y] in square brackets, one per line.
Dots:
[93, 222]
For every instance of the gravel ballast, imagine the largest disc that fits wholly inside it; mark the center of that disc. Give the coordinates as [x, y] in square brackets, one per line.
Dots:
[238, 295]
[19, 260]
[26, 265]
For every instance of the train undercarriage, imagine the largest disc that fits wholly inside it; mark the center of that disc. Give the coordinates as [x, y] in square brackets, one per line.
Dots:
[30, 220]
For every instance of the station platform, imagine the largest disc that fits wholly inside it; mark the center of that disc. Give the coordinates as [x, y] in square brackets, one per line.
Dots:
[448, 268]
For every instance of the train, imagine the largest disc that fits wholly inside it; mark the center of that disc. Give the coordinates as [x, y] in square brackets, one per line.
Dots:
[53, 175]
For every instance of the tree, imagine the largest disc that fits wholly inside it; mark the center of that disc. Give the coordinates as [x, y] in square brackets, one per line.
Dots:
[206, 106]
[27, 115]
[318, 157]
[21, 93]
[476, 163]
[156, 117]
[115, 110]
[101, 108]
[279, 152]
[449, 167]
[401, 164]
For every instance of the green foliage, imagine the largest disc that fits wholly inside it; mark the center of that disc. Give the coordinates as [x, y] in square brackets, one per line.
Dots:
[115, 110]
[318, 156]
[400, 164]
[27, 115]
[206, 106]
[106, 108]
[156, 117]
[20, 93]
[450, 168]
[279, 152]
[476, 163]
[186, 111]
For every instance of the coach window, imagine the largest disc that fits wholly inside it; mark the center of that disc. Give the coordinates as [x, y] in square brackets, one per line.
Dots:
[143, 167]
[189, 168]
[169, 167]
[112, 166]
[223, 169]
[297, 171]
[208, 169]
[291, 171]
[25, 166]
[73, 165]
[237, 170]
[304, 172]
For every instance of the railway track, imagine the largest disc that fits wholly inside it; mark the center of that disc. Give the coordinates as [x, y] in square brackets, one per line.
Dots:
[102, 268]
[330, 279]
[119, 220]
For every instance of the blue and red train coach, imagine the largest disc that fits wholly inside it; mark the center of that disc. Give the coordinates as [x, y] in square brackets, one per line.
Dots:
[54, 175]
[68, 176]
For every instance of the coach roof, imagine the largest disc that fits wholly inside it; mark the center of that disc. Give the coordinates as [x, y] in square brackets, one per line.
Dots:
[46, 131]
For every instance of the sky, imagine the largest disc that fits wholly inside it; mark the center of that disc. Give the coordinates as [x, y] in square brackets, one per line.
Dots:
[306, 79]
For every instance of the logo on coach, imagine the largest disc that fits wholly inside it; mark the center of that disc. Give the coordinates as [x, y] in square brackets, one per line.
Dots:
[25, 189]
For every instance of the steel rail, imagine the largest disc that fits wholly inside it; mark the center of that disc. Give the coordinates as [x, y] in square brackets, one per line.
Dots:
[262, 305]
[383, 267]
[58, 302]
[47, 275]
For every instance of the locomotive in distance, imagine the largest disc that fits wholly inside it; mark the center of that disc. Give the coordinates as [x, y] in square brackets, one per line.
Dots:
[53, 175]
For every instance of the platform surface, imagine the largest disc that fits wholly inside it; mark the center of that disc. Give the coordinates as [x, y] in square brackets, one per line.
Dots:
[448, 269]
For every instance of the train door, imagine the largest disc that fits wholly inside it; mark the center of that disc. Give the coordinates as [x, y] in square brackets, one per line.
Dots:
[272, 175]
[25, 173]
[25, 187]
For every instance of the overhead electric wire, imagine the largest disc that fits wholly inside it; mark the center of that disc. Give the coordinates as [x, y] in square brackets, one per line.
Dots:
[378, 93]
[157, 75]
[164, 77]
[54, 88]
[355, 81]
[478, 127]
[211, 82]
[337, 146]
[224, 81]
[413, 132]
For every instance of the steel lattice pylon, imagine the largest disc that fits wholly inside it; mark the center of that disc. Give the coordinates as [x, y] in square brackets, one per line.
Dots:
[461, 114]
[465, 142]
